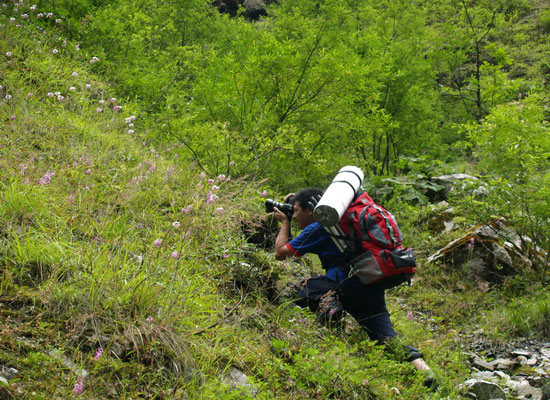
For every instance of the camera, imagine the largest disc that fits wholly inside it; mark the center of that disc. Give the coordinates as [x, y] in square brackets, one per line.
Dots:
[287, 207]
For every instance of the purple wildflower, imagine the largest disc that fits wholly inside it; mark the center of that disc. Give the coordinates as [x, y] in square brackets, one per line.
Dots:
[186, 210]
[157, 242]
[78, 387]
[98, 354]
[46, 178]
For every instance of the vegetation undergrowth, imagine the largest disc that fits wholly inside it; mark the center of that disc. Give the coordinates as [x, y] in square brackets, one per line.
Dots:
[127, 270]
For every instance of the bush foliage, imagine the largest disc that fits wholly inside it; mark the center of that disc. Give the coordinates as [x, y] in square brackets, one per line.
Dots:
[139, 140]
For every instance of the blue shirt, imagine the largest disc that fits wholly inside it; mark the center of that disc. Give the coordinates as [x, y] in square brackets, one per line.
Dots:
[314, 239]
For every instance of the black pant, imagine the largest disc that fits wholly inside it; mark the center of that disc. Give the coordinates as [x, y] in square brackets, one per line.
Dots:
[366, 303]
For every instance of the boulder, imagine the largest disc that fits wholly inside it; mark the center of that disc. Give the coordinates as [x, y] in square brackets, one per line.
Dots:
[450, 183]
[489, 252]
[484, 390]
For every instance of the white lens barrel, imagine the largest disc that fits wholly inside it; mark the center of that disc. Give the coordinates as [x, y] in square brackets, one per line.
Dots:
[338, 196]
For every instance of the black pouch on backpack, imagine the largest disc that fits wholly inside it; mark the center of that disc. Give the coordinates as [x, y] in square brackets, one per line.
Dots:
[403, 258]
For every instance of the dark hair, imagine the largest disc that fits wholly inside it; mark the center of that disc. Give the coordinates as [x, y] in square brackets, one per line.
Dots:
[304, 196]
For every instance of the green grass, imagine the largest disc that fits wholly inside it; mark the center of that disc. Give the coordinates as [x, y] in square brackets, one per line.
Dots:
[108, 240]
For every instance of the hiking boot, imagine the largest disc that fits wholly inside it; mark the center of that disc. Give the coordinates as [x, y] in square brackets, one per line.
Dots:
[330, 311]
[429, 380]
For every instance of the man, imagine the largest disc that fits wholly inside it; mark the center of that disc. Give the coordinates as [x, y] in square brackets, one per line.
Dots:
[334, 292]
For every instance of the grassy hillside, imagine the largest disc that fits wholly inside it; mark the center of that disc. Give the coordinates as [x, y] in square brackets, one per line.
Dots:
[126, 272]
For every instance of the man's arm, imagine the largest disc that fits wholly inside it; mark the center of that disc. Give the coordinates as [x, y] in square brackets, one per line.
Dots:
[282, 252]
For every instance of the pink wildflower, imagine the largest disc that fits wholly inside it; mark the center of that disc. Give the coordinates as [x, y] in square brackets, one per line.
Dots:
[117, 108]
[175, 255]
[231, 163]
[50, 94]
[210, 181]
[471, 244]
[98, 354]
[264, 194]
[212, 198]
[221, 177]
[88, 86]
[219, 210]
[187, 210]
[203, 175]
[8, 54]
[157, 242]
[78, 387]
[410, 315]
[176, 224]
[99, 109]
[55, 51]
[8, 97]
[46, 178]
[130, 131]
[89, 171]
[214, 187]
[72, 89]
[12, 117]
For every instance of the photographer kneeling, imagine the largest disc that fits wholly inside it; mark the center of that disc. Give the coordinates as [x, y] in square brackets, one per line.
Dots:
[334, 292]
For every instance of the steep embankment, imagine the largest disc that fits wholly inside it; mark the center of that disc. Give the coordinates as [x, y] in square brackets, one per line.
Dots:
[125, 273]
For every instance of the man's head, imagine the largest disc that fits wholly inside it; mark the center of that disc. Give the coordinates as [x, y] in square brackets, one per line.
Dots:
[304, 204]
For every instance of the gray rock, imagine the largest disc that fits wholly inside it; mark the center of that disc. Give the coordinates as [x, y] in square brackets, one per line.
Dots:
[504, 363]
[484, 390]
[524, 353]
[238, 379]
[453, 178]
[8, 372]
[527, 391]
[482, 364]
[501, 255]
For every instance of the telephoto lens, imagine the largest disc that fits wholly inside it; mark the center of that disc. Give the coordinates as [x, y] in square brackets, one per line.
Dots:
[287, 208]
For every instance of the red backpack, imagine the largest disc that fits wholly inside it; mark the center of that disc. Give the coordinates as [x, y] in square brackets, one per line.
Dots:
[374, 241]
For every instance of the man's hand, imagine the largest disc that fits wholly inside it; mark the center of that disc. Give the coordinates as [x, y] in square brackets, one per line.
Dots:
[279, 215]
